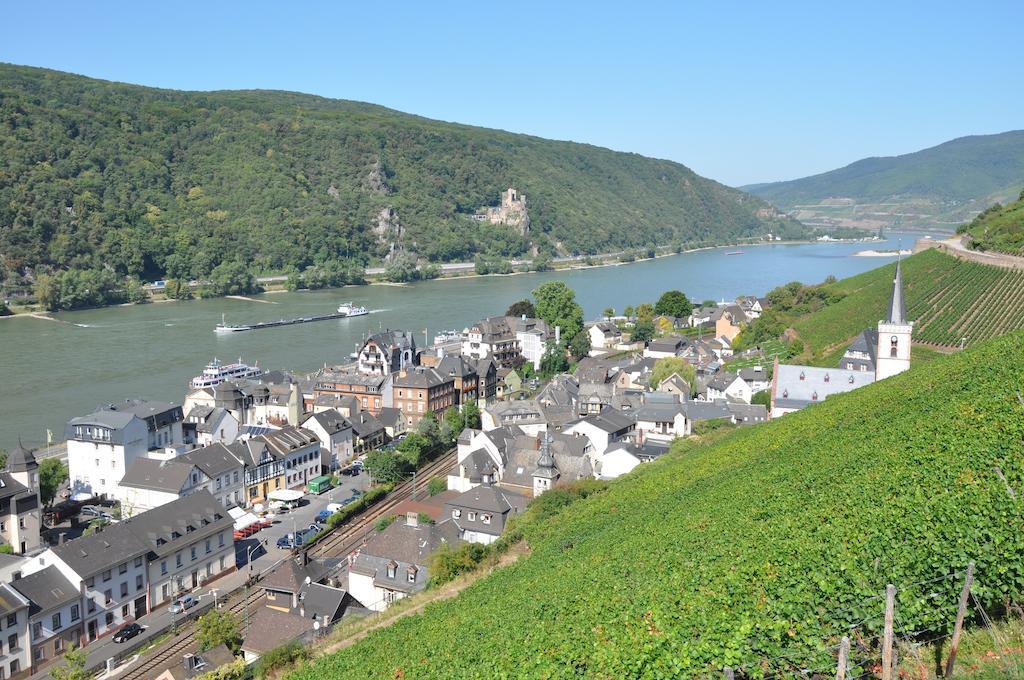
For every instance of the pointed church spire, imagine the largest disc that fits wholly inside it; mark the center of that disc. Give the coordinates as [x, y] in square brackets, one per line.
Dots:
[897, 306]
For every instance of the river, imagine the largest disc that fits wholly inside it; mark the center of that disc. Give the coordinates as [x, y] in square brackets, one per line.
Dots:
[56, 370]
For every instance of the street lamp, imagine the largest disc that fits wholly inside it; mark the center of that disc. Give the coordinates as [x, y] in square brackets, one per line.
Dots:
[213, 591]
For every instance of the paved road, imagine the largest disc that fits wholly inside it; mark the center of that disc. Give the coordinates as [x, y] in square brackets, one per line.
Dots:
[956, 247]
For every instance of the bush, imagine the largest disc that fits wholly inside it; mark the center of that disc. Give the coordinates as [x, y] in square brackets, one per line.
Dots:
[280, 658]
[437, 485]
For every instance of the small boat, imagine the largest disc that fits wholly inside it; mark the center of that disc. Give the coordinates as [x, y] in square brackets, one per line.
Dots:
[351, 309]
[734, 252]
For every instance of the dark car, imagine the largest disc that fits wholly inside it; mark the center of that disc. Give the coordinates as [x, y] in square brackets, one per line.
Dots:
[128, 632]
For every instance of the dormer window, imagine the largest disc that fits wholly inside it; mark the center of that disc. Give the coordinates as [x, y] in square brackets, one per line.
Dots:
[472, 516]
[814, 396]
[827, 378]
[785, 394]
[485, 518]
[456, 513]
[392, 569]
[410, 574]
[802, 376]
[850, 380]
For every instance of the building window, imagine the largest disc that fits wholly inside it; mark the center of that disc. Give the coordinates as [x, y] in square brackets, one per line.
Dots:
[91, 607]
[472, 516]
[12, 645]
[456, 513]
[124, 589]
[165, 591]
[193, 552]
[209, 547]
[411, 575]
[108, 597]
[177, 560]
[138, 562]
[109, 618]
[55, 621]
[485, 518]
[106, 575]
[125, 611]
[74, 613]
[37, 654]
[37, 630]
[392, 569]
[221, 539]
[12, 620]
[123, 569]
[58, 645]
[163, 567]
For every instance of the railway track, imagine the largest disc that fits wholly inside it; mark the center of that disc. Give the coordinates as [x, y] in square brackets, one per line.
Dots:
[343, 541]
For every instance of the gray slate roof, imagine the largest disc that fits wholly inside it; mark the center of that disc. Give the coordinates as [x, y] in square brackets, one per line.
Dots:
[156, 528]
[213, 460]
[799, 386]
[46, 589]
[89, 555]
[158, 475]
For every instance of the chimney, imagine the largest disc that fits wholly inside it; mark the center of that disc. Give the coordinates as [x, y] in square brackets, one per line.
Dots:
[302, 610]
[295, 600]
[412, 519]
[189, 661]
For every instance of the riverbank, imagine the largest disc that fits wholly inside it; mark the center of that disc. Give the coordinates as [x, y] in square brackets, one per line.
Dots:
[882, 253]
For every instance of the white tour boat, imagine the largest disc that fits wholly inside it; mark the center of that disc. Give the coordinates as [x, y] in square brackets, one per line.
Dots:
[350, 309]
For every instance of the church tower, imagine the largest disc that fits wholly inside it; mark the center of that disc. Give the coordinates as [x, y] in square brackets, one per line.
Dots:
[894, 334]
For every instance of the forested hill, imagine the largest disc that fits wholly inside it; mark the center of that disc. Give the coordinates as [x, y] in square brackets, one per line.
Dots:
[945, 184]
[155, 182]
[1000, 228]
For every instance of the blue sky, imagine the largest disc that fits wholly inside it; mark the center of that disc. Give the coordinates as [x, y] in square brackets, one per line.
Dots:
[741, 92]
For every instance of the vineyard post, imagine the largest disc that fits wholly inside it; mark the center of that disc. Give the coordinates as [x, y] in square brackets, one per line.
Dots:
[890, 606]
[960, 612]
[844, 653]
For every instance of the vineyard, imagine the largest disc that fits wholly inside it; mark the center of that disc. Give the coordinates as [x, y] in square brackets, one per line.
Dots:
[947, 298]
[757, 551]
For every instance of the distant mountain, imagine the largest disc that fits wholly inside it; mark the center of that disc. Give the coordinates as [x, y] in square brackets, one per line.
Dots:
[938, 187]
[1000, 228]
[148, 182]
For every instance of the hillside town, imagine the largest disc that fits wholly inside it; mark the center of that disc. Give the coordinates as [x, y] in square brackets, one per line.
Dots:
[166, 505]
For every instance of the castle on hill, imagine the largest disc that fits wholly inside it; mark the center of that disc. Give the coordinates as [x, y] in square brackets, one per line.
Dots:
[511, 212]
[875, 354]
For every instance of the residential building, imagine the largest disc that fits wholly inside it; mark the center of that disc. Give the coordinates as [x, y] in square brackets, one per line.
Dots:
[281, 459]
[199, 664]
[393, 422]
[509, 383]
[104, 443]
[728, 385]
[662, 348]
[20, 506]
[368, 433]
[393, 563]
[335, 434]
[420, 390]
[207, 425]
[482, 513]
[189, 542]
[604, 428]
[151, 483]
[729, 321]
[55, 614]
[505, 338]
[108, 570]
[661, 417]
[756, 377]
[604, 335]
[467, 383]
[372, 391]
[387, 352]
[487, 380]
[674, 384]
[15, 656]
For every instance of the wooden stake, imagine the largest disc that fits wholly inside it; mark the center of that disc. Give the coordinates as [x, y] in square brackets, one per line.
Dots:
[958, 627]
[844, 654]
[890, 607]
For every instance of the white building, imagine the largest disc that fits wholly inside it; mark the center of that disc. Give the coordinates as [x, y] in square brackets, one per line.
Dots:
[335, 434]
[604, 335]
[150, 483]
[726, 385]
[603, 429]
[893, 355]
[20, 507]
[55, 619]
[103, 444]
[14, 637]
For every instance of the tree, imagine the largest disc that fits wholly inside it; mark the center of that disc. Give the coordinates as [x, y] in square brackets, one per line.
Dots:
[437, 485]
[666, 366]
[579, 346]
[628, 312]
[217, 627]
[471, 415]
[73, 667]
[52, 472]
[556, 304]
[454, 423]
[764, 397]
[3, 459]
[643, 332]
[428, 427]
[6, 549]
[674, 303]
[401, 269]
[543, 263]
[385, 466]
[521, 308]
[553, 361]
[609, 312]
[645, 312]
[414, 448]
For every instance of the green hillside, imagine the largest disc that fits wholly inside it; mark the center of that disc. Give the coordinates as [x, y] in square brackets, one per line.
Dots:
[757, 551]
[947, 298]
[154, 183]
[943, 185]
[1000, 228]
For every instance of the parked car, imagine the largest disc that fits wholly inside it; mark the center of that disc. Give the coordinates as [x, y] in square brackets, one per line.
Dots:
[323, 515]
[90, 511]
[334, 507]
[183, 604]
[128, 632]
[349, 471]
